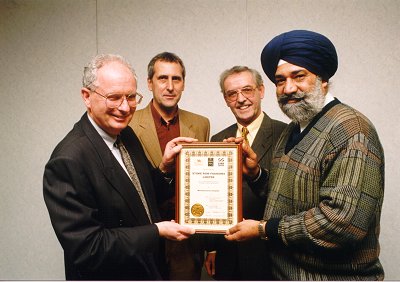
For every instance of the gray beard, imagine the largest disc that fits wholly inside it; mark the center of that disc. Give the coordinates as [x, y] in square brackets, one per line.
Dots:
[305, 110]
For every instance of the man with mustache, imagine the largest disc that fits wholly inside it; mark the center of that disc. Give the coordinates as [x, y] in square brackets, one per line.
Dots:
[155, 125]
[326, 182]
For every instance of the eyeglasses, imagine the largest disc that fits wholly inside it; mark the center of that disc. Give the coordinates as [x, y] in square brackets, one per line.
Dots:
[115, 100]
[247, 92]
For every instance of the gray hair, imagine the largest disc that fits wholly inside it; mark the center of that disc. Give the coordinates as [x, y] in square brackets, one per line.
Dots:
[239, 69]
[90, 70]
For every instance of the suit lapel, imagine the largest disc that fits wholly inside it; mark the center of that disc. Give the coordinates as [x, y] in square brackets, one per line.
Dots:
[263, 141]
[185, 125]
[226, 133]
[142, 168]
[231, 132]
[148, 137]
[114, 173]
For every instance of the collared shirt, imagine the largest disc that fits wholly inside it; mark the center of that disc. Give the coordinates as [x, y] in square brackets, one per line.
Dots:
[166, 130]
[252, 127]
[110, 141]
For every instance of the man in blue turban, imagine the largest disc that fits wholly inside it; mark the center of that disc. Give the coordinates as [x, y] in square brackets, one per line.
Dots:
[303, 48]
[326, 182]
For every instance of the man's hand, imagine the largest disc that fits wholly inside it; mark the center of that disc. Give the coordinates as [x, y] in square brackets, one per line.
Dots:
[174, 231]
[245, 230]
[250, 164]
[209, 263]
[171, 150]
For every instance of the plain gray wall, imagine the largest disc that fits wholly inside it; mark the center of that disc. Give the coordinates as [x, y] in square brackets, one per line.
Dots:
[44, 45]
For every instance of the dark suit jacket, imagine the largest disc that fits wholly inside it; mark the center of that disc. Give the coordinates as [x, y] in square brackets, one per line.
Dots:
[96, 212]
[248, 260]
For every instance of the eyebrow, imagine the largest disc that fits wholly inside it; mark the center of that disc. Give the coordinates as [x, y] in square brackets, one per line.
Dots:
[291, 73]
[164, 76]
[245, 86]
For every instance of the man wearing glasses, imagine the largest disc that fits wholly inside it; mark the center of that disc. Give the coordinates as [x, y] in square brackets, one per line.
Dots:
[155, 125]
[243, 90]
[99, 187]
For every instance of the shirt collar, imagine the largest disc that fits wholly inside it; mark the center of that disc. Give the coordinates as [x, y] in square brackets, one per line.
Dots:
[252, 127]
[157, 117]
[104, 135]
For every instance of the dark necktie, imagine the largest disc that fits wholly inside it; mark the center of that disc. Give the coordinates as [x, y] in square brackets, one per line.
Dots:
[245, 131]
[132, 173]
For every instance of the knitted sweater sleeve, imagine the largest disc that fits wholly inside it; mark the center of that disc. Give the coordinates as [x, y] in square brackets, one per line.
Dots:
[350, 197]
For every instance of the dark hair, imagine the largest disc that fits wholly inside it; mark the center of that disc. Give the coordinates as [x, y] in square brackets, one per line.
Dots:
[165, 57]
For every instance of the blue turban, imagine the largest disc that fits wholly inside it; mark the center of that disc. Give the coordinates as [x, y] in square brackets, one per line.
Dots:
[303, 48]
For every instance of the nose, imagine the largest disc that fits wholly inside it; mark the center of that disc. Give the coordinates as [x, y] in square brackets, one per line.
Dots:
[124, 105]
[240, 97]
[290, 86]
[170, 85]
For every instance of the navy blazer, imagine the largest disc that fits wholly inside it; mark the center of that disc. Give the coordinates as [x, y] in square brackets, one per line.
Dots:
[96, 211]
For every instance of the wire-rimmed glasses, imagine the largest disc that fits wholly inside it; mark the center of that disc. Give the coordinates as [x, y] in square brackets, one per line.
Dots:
[247, 92]
[115, 100]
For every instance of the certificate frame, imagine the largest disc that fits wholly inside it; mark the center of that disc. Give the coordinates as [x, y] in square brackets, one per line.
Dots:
[209, 186]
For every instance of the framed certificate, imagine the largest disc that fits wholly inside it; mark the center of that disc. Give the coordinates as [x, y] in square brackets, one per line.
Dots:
[209, 186]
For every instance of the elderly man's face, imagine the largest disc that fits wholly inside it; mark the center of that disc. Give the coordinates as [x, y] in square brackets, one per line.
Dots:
[112, 78]
[300, 93]
[243, 97]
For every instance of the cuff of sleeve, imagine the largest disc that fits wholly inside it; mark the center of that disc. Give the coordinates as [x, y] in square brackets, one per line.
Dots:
[169, 177]
[272, 229]
[259, 174]
[261, 178]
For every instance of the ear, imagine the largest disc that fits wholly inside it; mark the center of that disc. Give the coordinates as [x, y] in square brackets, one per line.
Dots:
[85, 93]
[262, 91]
[150, 84]
[325, 86]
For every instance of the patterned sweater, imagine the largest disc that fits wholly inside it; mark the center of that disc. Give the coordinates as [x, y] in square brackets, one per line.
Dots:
[325, 199]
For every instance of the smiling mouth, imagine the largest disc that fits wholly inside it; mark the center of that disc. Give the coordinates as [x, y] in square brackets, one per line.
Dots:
[243, 107]
[120, 117]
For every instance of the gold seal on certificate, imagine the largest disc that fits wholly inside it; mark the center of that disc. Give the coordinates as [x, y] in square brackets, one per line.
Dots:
[209, 186]
[197, 210]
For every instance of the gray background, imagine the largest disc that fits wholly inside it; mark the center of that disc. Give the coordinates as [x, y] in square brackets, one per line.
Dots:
[44, 45]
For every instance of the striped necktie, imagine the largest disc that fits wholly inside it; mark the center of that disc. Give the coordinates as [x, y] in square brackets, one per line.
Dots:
[132, 174]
